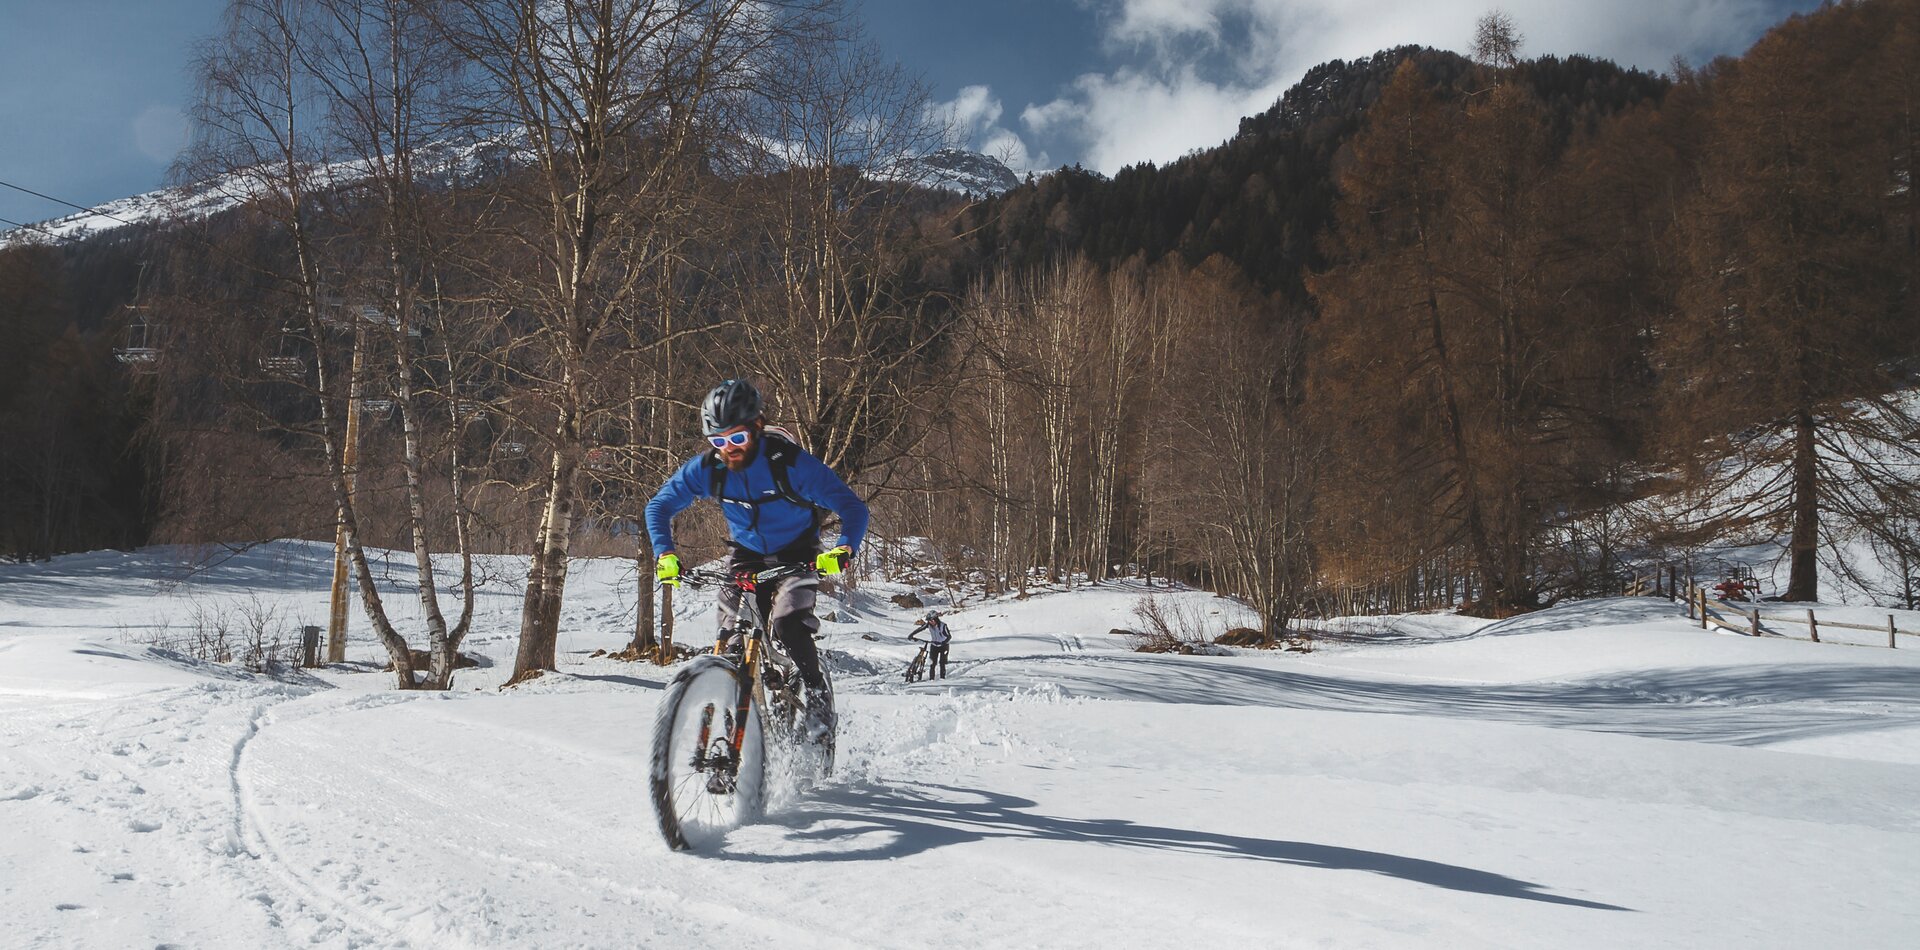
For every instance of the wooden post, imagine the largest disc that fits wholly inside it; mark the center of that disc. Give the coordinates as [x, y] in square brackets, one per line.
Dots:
[350, 465]
[1673, 584]
[1703, 608]
[664, 652]
[1753, 618]
[1813, 625]
[1890, 631]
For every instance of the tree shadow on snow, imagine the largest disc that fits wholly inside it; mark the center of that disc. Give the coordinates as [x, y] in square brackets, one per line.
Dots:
[1579, 615]
[1733, 705]
[880, 823]
[622, 679]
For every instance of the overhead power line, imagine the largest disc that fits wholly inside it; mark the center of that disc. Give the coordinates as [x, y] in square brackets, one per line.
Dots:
[38, 194]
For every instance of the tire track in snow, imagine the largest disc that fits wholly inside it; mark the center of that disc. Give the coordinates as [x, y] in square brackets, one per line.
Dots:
[267, 855]
[237, 835]
[669, 905]
[690, 909]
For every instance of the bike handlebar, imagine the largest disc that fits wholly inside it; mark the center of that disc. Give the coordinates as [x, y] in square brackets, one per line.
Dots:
[707, 576]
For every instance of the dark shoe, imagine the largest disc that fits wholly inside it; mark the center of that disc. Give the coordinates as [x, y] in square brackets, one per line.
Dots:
[820, 719]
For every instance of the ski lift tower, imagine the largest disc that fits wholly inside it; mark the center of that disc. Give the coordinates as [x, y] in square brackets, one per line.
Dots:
[350, 461]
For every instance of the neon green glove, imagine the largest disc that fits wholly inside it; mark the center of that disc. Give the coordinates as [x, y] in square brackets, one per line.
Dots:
[668, 570]
[834, 561]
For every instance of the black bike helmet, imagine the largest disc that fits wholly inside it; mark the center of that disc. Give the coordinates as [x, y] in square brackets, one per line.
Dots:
[732, 403]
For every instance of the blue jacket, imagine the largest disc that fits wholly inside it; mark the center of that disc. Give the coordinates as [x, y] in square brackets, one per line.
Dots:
[773, 524]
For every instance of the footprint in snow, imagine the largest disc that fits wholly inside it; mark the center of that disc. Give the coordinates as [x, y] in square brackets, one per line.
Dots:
[142, 827]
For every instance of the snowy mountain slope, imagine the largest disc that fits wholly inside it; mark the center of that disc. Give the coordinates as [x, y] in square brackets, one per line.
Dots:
[950, 169]
[149, 208]
[966, 172]
[1601, 774]
[438, 162]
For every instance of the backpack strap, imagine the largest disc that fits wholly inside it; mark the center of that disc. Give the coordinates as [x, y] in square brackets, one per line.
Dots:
[780, 449]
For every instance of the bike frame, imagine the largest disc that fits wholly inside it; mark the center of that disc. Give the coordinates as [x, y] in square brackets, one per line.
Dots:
[753, 626]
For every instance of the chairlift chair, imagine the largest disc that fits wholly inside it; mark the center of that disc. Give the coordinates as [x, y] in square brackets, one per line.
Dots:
[284, 364]
[283, 367]
[470, 410]
[333, 310]
[139, 354]
[380, 317]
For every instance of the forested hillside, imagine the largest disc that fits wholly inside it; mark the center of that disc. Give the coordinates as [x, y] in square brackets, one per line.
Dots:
[1265, 198]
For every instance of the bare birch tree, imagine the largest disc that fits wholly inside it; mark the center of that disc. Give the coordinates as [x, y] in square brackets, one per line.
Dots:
[384, 72]
[260, 141]
[836, 321]
[602, 104]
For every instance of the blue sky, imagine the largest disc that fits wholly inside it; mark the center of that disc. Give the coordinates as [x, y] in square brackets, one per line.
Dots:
[93, 92]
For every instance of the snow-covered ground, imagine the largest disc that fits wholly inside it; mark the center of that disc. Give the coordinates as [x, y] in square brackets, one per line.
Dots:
[1602, 774]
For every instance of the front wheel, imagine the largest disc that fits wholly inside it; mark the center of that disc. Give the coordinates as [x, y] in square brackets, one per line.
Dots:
[824, 748]
[703, 784]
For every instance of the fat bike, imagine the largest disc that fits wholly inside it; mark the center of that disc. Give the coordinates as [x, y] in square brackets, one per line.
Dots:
[723, 712]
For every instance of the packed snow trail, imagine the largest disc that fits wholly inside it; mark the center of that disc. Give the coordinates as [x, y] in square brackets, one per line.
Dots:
[1598, 775]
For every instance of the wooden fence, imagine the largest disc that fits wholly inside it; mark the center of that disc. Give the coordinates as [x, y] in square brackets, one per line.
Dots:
[1712, 613]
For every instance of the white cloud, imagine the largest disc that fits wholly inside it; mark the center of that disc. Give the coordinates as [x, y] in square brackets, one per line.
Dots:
[1012, 152]
[1130, 116]
[1186, 71]
[971, 112]
[1156, 21]
[1048, 118]
[972, 121]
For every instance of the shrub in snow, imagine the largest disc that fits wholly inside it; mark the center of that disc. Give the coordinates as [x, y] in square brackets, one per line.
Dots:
[255, 633]
[1169, 625]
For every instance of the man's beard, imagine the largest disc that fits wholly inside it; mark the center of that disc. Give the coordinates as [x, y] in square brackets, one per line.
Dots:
[745, 459]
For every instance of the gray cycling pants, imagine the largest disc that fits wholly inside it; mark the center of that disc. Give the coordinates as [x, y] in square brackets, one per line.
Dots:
[789, 606]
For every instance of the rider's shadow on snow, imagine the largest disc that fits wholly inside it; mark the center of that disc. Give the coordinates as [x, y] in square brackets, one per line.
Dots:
[879, 823]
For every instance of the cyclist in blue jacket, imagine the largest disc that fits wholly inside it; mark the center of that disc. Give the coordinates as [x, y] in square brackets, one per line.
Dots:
[771, 492]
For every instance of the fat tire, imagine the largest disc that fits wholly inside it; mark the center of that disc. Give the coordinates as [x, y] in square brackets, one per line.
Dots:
[833, 735]
[663, 767]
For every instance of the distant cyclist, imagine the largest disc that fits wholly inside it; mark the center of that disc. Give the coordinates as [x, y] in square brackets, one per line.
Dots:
[939, 637]
[771, 492]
